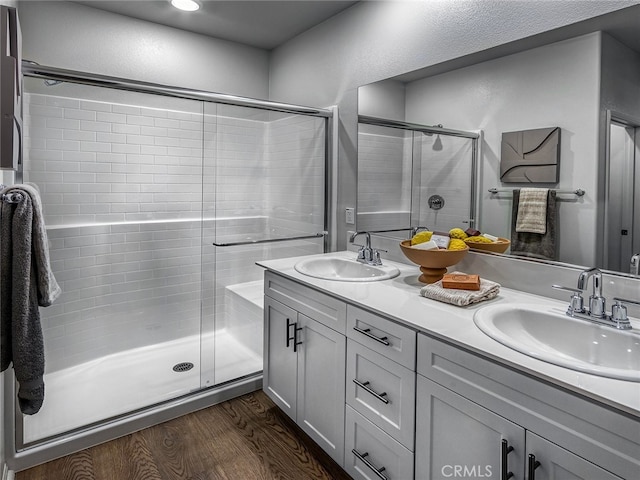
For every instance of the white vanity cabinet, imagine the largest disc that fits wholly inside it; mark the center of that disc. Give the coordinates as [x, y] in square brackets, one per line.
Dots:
[390, 401]
[491, 420]
[304, 367]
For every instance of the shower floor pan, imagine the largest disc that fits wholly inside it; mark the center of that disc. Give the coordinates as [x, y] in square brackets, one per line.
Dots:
[110, 386]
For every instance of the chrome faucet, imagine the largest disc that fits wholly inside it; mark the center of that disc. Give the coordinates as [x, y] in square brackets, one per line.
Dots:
[597, 303]
[366, 254]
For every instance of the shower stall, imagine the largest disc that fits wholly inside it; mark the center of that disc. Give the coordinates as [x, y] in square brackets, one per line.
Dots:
[158, 202]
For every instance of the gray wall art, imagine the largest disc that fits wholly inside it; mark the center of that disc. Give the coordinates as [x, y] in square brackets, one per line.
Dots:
[530, 156]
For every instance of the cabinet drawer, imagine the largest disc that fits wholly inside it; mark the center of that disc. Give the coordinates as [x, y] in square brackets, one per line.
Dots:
[383, 391]
[391, 339]
[316, 305]
[368, 449]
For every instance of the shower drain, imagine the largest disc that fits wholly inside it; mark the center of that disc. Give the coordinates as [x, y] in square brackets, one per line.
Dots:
[182, 367]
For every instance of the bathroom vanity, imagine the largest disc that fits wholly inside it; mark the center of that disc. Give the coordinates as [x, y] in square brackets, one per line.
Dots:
[396, 386]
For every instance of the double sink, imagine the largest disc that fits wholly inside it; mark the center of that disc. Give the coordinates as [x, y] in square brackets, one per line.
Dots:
[537, 330]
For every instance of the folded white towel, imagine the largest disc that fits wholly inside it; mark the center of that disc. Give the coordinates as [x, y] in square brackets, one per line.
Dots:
[461, 298]
[532, 210]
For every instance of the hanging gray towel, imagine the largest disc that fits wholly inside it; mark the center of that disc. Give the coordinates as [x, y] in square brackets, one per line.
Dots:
[535, 245]
[26, 282]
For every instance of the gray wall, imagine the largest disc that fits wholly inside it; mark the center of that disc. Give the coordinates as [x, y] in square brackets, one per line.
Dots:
[375, 40]
[77, 37]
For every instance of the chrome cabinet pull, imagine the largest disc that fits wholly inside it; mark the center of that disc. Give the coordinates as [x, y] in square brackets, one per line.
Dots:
[367, 332]
[506, 450]
[365, 386]
[533, 464]
[377, 471]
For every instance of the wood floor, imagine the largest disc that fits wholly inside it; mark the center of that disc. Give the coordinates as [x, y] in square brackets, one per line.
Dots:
[243, 439]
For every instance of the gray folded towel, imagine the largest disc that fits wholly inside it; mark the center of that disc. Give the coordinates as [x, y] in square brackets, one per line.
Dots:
[535, 245]
[26, 281]
[461, 298]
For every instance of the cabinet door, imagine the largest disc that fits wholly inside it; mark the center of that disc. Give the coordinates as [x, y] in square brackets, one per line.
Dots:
[280, 361]
[458, 438]
[321, 374]
[556, 463]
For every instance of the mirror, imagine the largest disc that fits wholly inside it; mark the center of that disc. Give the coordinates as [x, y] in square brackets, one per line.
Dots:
[584, 80]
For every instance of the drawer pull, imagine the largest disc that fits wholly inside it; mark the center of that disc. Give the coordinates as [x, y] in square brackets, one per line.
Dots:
[365, 386]
[367, 332]
[533, 464]
[505, 450]
[377, 471]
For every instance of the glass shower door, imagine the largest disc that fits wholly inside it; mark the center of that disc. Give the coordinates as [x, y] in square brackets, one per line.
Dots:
[121, 181]
[264, 198]
[157, 210]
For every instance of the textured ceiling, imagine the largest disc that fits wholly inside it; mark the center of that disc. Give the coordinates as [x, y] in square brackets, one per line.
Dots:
[264, 24]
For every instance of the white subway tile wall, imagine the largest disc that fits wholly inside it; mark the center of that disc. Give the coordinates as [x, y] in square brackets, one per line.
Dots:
[384, 177]
[134, 198]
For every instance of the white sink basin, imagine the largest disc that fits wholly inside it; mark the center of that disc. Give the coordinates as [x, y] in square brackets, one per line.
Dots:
[345, 270]
[548, 334]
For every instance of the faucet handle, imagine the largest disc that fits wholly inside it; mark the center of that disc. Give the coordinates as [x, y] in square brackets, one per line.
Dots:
[577, 302]
[376, 255]
[619, 313]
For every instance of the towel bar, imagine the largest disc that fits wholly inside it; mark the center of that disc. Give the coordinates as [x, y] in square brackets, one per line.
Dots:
[578, 192]
[13, 197]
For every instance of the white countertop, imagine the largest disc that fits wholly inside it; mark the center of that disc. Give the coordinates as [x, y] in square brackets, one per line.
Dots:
[399, 298]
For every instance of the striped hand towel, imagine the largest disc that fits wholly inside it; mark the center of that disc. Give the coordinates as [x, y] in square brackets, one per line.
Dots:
[532, 211]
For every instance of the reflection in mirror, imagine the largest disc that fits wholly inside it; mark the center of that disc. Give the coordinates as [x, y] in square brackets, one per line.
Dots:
[569, 84]
[622, 239]
[412, 175]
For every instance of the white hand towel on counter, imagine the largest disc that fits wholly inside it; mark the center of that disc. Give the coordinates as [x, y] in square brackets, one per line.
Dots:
[532, 210]
[461, 298]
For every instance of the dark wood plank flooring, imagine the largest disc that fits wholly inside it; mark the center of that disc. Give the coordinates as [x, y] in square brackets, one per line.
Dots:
[247, 438]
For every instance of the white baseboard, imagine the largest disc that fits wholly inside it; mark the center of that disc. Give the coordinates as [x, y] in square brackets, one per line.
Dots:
[6, 473]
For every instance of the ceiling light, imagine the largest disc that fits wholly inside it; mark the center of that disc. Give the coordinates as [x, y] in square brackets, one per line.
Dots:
[186, 5]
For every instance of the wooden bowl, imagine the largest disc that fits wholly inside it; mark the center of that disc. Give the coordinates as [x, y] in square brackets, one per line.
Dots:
[500, 246]
[433, 263]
